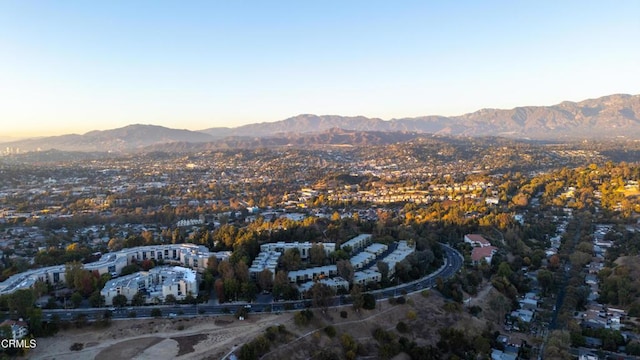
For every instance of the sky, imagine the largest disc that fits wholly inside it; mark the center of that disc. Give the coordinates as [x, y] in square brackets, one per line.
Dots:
[76, 66]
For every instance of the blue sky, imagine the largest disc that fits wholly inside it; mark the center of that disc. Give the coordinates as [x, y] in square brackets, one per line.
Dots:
[75, 66]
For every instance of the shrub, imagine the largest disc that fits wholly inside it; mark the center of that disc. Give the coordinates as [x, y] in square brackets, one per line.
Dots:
[330, 331]
[401, 300]
[155, 312]
[411, 315]
[452, 307]
[302, 318]
[402, 327]
[76, 347]
[132, 314]
[369, 302]
[475, 310]
[344, 314]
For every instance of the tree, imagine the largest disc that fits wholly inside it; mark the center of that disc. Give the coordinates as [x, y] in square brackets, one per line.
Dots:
[96, 299]
[265, 280]
[219, 289]
[170, 299]
[345, 270]
[317, 255]
[212, 264]
[545, 279]
[321, 295]
[40, 288]
[76, 299]
[558, 346]
[21, 301]
[129, 269]
[383, 269]
[72, 271]
[280, 284]
[504, 270]
[119, 300]
[138, 299]
[291, 259]
[242, 271]
[357, 297]
[225, 269]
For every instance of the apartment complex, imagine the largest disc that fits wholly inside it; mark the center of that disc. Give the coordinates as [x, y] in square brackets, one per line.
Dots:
[156, 284]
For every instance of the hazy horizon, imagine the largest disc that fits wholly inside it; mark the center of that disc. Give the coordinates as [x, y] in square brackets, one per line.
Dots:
[76, 67]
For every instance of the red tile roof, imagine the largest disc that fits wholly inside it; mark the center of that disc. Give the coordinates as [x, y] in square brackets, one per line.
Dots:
[479, 253]
[478, 239]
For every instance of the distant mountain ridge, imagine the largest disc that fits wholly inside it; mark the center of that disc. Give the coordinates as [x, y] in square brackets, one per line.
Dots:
[128, 138]
[606, 117]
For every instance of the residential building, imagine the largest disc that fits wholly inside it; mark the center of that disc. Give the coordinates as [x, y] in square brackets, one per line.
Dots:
[19, 329]
[312, 273]
[358, 243]
[156, 284]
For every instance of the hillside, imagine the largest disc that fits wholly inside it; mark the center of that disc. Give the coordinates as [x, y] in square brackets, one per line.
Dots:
[607, 117]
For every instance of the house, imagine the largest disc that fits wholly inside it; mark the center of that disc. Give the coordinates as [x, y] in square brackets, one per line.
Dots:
[19, 329]
[483, 253]
[476, 240]
[529, 304]
[522, 315]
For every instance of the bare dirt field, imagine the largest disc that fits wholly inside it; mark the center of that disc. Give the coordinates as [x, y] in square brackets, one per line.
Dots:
[184, 338]
[215, 337]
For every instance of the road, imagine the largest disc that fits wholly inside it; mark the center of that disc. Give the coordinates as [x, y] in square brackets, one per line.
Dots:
[453, 261]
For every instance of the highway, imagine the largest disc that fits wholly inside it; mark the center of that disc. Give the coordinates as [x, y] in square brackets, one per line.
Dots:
[453, 261]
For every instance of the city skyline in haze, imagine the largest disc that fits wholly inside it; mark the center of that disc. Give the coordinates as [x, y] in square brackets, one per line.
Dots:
[73, 67]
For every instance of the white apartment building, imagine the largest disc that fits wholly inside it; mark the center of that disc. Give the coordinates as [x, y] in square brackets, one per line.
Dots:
[365, 277]
[304, 247]
[312, 273]
[266, 260]
[334, 283]
[187, 255]
[358, 243]
[156, 284]
[400, 253]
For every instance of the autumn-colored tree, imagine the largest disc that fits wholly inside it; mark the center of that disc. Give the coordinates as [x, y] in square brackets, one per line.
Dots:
[147, 264]
[219, 289]
[291, 259]
[225, 269]
[317, 254]
[212, 263]
[242, 271]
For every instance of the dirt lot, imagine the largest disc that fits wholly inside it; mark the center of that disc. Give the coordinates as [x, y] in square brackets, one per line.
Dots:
[214, 337]
[185, 338]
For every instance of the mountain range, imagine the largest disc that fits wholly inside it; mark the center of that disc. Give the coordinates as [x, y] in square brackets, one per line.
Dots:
[605, 117]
